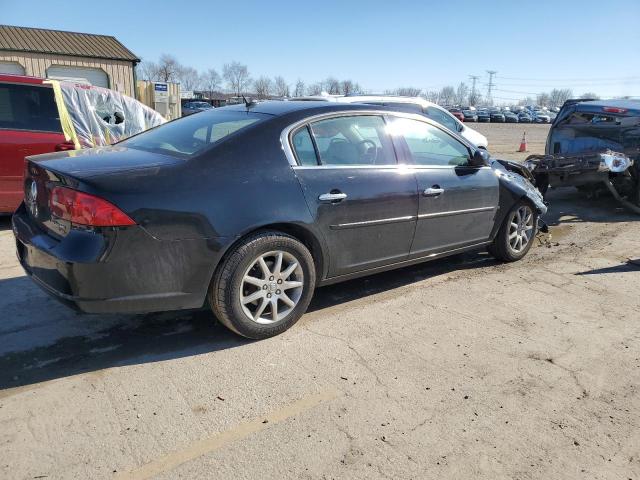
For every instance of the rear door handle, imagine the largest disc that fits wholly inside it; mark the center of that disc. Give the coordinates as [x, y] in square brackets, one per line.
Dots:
[332, 197]
[433, 191]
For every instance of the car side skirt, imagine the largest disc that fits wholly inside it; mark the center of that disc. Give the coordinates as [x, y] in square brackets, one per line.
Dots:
[403, 263]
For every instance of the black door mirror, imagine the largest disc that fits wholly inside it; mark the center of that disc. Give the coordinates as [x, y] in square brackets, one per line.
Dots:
[480, 158]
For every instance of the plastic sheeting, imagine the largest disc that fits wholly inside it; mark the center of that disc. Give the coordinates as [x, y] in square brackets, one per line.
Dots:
[100, 116]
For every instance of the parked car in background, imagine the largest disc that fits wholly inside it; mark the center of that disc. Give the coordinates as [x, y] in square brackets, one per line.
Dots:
[410, 104]
[496, 116]
[342, 191]
[470, 115]
[457, 112]
[510, 117]
[524, 117]
[189, 108]
[483, 116]
[39, 116]
[541, 117]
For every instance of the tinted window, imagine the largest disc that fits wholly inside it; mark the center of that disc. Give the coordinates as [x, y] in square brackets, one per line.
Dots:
[357, 140]
[303, 146]
[28, 107]
[442, 118]
[193, 134]
[429, 145]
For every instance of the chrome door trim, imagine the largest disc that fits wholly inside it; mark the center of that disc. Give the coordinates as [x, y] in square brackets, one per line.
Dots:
[455, 212]
[368, 223]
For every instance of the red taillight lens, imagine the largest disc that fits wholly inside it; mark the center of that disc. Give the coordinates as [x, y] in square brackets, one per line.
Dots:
[614, 110]
[84, 209]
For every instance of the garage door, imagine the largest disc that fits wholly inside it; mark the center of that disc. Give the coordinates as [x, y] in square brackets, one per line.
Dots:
[11, 67]
[91, 76]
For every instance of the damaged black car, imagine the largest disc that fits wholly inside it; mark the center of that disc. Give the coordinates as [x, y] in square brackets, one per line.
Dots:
[593, 145]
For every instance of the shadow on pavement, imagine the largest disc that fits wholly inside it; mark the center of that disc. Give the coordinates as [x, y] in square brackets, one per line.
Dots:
[622, 268]
[111, 341]
[5, 222]
[568, 205]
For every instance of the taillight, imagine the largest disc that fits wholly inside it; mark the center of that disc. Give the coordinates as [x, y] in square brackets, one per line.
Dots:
[614, 110]
[84, 209]
[65, 146]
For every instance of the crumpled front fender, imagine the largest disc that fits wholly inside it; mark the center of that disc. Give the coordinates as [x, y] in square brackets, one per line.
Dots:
[519, 186]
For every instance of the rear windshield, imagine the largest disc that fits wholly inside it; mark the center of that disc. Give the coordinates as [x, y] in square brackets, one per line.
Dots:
[194, 134]
[28, 107]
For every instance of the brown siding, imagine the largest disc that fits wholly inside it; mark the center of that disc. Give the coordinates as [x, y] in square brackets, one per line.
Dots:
[36, 64]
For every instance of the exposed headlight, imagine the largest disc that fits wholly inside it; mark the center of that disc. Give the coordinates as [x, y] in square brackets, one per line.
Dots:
[614, 163]
[529, 166]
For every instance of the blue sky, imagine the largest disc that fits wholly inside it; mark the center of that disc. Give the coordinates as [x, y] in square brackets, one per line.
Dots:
[586, 45]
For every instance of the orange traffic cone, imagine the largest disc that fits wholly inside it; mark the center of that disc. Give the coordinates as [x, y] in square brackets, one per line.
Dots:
[523, 143]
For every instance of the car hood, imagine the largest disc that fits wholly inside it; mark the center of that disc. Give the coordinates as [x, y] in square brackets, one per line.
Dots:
[93, 162]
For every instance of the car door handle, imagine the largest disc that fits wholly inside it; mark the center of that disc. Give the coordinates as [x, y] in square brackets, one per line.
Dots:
[433, 191]
[332, 197]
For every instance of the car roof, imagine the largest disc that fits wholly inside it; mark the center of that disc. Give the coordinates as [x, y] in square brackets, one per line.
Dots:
[619, 103]
[283, 107]
[9, 77]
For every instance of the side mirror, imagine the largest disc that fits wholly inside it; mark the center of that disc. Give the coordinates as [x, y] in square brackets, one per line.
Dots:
[480, 158]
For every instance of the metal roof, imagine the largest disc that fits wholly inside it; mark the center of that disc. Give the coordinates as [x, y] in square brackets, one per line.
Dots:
[40, 40]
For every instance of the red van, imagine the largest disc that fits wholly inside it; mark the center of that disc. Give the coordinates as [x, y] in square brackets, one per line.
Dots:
[29, 124]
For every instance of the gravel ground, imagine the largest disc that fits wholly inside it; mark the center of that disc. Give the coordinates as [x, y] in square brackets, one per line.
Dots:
[462, 368]
[505, 138]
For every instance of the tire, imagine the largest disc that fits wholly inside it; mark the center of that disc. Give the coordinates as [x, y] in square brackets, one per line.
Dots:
[242, 276]
[502, 247]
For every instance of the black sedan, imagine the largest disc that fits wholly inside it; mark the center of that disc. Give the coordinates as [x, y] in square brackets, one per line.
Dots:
[496, 116]
[510, 117]
[248, 208]
[483, 116]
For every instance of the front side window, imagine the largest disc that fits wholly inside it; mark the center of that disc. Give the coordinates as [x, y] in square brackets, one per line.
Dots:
[28, 107]
[429, 145]
[442, 118]
[356, 140]
[193, 134]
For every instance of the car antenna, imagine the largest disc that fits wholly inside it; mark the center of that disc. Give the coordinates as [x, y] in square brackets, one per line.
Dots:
[248, 103]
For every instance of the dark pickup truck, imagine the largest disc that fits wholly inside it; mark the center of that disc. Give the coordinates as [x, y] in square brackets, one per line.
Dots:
[593, 145]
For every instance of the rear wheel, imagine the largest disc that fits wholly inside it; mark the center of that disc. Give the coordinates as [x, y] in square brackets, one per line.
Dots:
[264, 286]
[515, 237]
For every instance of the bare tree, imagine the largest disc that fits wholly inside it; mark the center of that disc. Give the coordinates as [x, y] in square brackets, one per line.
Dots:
[543, 99]
[432, 96]
[558, 96]
[281, 87]
[237, 77]
[263, 86]
[408, 91]
[211, 81]
[299, 90]
[168, 68]
[527, 101]
[447, 95]
[475, 98]
[591, 95]
[357, 88]
[315, 88]
[462, 93]
[147, 70]
[347, 87]
[332, 85]
[189, 78]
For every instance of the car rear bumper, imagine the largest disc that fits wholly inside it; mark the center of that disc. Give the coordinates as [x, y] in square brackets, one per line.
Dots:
[116, 270]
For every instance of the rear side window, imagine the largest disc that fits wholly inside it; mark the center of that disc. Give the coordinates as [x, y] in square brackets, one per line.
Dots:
[28, 107]
[194, 134]
[303, 146]
[356, 140]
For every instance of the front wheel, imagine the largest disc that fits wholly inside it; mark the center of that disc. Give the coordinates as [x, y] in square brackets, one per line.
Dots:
[264, 286]
[516, 234]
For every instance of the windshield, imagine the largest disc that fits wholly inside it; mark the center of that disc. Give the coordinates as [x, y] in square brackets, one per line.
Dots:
[193, 134]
